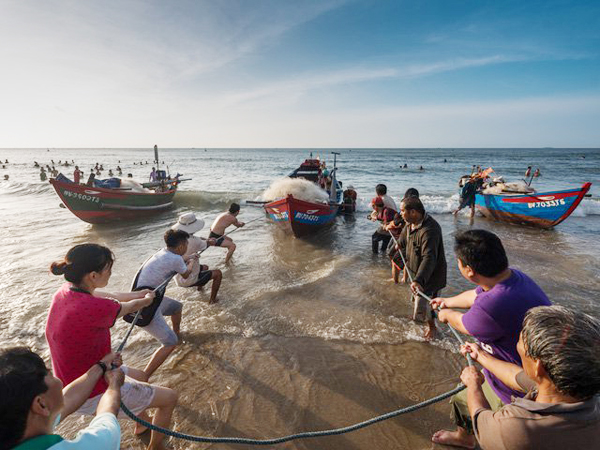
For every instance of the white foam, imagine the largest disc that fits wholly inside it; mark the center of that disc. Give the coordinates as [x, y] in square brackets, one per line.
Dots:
[299, 187]
[587, 207]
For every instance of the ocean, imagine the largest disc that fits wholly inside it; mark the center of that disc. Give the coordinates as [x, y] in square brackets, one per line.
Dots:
[308, 333]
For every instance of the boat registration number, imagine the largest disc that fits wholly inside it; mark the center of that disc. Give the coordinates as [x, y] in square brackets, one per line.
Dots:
[304, 216]
[87, 198]
[546, 204]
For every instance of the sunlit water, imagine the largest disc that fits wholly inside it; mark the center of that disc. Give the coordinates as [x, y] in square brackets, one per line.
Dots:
[308, 334]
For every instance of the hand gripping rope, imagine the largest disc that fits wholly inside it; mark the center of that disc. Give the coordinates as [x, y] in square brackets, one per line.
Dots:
[307, 434]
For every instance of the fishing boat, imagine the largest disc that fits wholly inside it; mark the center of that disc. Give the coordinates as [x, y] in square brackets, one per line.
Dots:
[540, 209]
[106, 201]
[301, 217]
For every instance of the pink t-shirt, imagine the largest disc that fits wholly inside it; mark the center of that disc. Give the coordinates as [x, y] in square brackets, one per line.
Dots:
[78, 333]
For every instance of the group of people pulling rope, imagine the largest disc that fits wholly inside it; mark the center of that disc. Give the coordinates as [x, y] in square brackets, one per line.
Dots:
[539, 387]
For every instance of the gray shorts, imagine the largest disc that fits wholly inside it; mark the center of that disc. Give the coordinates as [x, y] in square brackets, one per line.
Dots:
[422, 312]
[158, 326]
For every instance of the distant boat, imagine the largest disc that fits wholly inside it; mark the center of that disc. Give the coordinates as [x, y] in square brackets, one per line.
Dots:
[540, 209]
[304, 218]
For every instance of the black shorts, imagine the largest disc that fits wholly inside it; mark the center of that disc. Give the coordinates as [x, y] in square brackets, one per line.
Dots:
[218, 237]
[397, 260]
[203, 277]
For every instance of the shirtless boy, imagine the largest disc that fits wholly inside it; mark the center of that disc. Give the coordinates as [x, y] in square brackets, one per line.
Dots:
[217, 230]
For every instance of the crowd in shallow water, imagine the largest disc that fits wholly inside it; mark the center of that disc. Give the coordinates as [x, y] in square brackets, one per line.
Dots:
[541, 371]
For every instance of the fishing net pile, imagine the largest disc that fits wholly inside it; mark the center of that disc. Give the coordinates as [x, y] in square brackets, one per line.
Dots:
[133, 185]
[299, 187]
[516, 187]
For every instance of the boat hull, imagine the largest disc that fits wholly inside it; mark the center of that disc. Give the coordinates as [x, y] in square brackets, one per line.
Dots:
[544, 209]
[299, 217]
[99, 205]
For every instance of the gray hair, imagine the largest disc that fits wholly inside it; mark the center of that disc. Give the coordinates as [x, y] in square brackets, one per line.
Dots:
[567, 343]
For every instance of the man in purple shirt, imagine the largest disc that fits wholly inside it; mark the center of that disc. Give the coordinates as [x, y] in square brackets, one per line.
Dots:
[496, 309]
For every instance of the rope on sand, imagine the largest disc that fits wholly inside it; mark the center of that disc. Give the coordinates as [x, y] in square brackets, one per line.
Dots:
[304, 435]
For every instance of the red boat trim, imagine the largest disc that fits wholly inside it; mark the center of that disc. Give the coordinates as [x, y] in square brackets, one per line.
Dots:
[538, 198]
[584, 189]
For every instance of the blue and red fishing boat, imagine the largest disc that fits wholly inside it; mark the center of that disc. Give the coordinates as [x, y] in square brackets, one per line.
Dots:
[540, 209]
[302, 217]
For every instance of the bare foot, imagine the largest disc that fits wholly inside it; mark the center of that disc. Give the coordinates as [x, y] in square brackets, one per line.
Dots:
[393, 279]
[212, 302]
[454, 438]
[430, 334]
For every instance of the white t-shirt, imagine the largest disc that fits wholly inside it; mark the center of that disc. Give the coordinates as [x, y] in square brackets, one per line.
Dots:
[103, 433]
[158, 268]
[195, 244]
[389, 202]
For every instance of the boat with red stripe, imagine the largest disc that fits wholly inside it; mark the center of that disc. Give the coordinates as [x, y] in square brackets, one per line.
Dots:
[540, 209]
[303, 218]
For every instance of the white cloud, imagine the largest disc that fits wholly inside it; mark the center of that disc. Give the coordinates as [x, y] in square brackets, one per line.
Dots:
[306, 82]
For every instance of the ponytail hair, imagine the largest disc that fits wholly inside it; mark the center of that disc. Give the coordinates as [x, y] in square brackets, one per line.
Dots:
[81, 260]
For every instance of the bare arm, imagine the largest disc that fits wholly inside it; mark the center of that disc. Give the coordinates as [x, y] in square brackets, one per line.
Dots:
[454, 319]
[121, 296]
[473, 379]
[505, 371]
[134, 305]
[79, 390]
[463, 300]
[111, 399]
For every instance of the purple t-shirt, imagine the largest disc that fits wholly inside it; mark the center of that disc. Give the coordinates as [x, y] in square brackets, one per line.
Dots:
[496, 319]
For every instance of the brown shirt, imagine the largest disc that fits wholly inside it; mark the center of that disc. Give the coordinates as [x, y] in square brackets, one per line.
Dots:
[425, 257]
[527, 424]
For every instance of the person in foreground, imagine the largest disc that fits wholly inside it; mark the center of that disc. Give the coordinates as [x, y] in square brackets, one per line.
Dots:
[220, 224]
[33, 402]
[561, 376]
[496, 309]
[200, 274]
[423, 243]
[78, 335]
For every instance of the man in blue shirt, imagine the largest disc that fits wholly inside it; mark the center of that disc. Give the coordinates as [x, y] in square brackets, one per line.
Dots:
[33, 401]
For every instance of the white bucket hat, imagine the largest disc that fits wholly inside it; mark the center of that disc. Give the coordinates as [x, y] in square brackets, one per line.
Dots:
[189, 223]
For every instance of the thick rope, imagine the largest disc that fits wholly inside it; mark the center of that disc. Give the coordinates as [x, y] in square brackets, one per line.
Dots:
[307, 434]
[304, 435]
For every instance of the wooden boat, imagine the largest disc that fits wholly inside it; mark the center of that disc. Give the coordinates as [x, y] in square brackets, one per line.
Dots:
[304, 218]
[105, 205]
[540, 209]
[106, 201]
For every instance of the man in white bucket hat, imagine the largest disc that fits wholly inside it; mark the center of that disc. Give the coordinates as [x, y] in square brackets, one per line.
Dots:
[200, 275]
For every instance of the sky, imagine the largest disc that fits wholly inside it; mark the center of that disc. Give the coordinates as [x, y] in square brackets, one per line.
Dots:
[290, 73]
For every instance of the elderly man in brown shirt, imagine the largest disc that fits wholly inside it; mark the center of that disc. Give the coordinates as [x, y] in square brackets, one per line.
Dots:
[561, 375]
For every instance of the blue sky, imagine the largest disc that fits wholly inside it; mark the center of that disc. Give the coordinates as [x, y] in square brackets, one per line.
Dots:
[329, 73]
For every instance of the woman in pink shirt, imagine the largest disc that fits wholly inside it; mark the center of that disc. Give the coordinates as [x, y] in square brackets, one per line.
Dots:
[78, 333]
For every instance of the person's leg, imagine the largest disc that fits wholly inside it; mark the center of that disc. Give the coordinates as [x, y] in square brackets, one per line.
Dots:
[463, 435]
[375, 242]
[385, 241]
[176, 323]
[217, 276]
[158, 357]
[230, 246]
[163, 333]
[422, 313]
[164, 401]
[395, 273]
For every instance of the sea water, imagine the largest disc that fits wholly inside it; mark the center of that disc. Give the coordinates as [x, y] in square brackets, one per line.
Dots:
[308, 333]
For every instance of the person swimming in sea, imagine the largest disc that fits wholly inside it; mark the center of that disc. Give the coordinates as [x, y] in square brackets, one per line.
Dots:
[220, 224]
